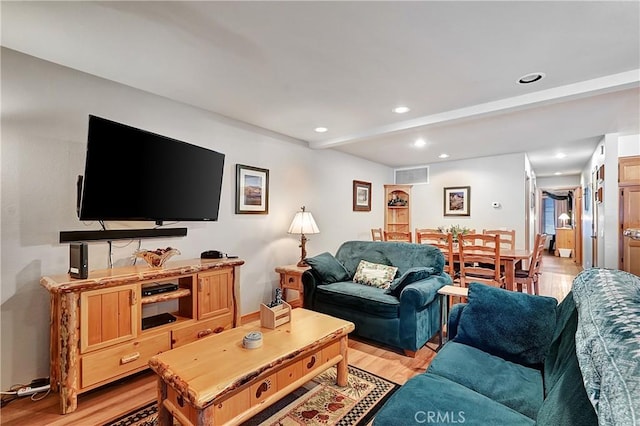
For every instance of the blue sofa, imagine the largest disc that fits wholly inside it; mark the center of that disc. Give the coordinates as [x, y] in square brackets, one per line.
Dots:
[517, 359]
[405, 316]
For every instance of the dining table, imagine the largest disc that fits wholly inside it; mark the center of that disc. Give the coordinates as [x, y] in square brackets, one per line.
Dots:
[509, 258]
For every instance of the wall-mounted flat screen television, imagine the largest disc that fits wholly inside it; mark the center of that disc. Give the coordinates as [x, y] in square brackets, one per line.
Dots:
[133, 174]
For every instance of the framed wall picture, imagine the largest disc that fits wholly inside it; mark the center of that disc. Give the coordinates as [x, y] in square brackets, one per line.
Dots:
[457, 201]
[252, 190]
[361, 196]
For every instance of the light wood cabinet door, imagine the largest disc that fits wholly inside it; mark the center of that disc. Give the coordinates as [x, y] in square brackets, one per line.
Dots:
[629, 219]
[629, 171]
[108, 316]
[215, 293]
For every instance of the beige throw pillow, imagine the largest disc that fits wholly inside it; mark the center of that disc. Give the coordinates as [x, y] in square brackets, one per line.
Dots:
[374, 274]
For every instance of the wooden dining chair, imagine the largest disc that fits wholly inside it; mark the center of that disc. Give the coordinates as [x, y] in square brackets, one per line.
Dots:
[480, 259]
[529, 277]
[397, 236]
[428, 231]
[507, 237]
[442, 241]
[376, 234]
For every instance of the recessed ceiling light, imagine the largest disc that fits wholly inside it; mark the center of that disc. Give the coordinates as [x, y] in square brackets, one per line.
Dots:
[321, 129]
[561, 155]
[419, 143]
[531, 77]
[557, 173]
[401, 109]
[443, 155]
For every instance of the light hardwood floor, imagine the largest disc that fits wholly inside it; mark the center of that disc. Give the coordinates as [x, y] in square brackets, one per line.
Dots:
[109, 402]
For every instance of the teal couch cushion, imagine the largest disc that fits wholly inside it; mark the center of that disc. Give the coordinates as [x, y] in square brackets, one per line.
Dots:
[410, 276]
[567, 403]
[327, 267]
[368, 299]
[515, 326]
[431, 399]
[563, 347]
[513, 385]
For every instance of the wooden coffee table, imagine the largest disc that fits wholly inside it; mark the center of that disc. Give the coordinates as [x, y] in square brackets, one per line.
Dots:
[217, 381]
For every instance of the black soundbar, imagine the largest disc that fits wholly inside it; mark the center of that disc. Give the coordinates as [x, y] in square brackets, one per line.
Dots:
[120, 234]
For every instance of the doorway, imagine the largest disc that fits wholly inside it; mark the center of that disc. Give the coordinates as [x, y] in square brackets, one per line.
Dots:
[629, 218]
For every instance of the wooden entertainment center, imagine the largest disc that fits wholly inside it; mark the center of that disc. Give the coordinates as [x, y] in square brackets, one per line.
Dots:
[96, 323]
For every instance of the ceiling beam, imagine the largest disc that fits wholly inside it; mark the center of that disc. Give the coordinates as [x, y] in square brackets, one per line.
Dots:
[597, 86]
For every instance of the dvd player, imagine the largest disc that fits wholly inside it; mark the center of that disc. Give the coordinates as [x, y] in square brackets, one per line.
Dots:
[156, 288]
[157, 320]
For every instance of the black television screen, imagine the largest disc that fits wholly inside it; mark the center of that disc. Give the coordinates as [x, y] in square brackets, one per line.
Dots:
[133, 174]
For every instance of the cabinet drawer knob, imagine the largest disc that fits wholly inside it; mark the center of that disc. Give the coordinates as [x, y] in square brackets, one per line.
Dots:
[264, 386]
[129, 358]
[204, 333]
[311, 363]
[208, 331]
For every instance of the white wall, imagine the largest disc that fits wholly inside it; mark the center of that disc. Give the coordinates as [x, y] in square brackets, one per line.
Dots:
[588, 213]
[606, 214]
[628, 145]
[608, 218]
[44, 128]
[500, 178]
[531, 221]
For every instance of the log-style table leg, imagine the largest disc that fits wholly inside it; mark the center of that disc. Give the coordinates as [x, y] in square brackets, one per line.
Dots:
[164, 416]
[69, 344]
[342, 369]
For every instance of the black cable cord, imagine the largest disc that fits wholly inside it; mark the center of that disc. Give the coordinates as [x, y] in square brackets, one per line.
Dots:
[110, 260]
[7, 398]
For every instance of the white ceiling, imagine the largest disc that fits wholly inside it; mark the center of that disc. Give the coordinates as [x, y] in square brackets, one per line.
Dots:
[293, 66]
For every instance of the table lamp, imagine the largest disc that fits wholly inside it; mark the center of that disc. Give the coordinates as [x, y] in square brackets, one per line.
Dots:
[564, 217]
[302, 224]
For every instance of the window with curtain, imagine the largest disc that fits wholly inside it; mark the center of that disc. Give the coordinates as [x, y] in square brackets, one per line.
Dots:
[548, 216]
[554, 205]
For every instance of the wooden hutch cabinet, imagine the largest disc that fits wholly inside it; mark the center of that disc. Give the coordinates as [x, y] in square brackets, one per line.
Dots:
[97, 333]
[397, 211]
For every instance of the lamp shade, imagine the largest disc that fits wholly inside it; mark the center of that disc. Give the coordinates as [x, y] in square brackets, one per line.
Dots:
[303, 223]
[563, 216]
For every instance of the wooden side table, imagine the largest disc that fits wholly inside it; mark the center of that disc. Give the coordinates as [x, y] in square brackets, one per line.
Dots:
[291, 278]
[445, 299]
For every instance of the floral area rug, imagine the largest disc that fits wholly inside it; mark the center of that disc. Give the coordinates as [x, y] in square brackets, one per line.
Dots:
[318, 402]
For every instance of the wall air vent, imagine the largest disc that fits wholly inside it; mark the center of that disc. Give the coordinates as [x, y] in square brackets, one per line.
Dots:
[412, 175]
